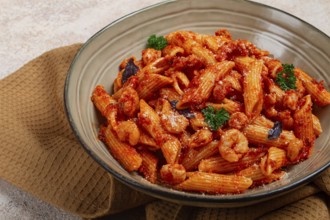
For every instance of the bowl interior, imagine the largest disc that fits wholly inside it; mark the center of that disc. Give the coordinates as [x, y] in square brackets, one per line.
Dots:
[286, 37]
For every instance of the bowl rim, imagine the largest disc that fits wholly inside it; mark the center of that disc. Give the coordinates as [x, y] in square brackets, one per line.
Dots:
[167, 194]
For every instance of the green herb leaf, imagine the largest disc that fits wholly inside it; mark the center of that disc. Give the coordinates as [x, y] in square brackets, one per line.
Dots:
[157, 43]
[286, 78]
[215, 118]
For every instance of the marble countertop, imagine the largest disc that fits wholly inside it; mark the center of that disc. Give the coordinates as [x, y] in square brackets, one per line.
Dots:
[29, 28]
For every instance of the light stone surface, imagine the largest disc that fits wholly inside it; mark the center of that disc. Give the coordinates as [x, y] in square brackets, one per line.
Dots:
[29, 28]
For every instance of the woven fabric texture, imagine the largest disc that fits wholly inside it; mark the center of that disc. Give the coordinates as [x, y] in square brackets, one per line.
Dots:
[40, 154]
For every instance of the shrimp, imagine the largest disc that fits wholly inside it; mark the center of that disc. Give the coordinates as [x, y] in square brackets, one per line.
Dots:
[173, 173]
[129, 102]
[128, 131]
[233, 145]
[200, 138]
[290, 100]
[238, 120]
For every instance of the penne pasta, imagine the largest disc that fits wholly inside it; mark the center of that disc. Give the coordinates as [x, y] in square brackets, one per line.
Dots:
[258, 135]
[255, 173]
[213, 43]
[148, 167]
[169, 93]
[209, 114]
[171, 150]
[317, 91]
[151, 83]
[150, 121]
[171, 50]
[193, 157]
[131, 82]
[275, 159]
[201, 86]
[252, 85]
[294, 149]
[218, 164]
[317, 128]
[230, 105]
[102, 99]
[274, 66]
[179, 78]
[126, 155]
[158, 66]
[148, 141]
[215, 183]
[262, 121]
[126, 131]
[184, 40]
[303, 123]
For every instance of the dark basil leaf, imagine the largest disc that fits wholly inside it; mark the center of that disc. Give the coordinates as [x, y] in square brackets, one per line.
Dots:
[185, 112]
[173, 103]
[130, 70]
[275, 131]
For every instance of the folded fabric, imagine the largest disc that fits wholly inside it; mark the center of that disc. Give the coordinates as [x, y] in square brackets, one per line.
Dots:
[40, 155]
[39, 152]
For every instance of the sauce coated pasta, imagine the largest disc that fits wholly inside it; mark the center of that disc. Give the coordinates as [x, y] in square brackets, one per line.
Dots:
[210, 114]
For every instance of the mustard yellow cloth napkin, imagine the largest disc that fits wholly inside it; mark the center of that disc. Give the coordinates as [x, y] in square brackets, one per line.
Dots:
[40, 155]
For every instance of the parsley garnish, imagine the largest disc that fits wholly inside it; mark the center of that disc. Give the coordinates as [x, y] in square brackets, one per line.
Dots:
[157, 43]
[215, 118]
[286, 78]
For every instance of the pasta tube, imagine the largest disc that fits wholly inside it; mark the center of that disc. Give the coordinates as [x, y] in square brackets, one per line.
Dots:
[252, 85]
[150, 121]
[303, 123]
[317, 91]
[255, 173]
[275, 159]
[259, 135]
[201, 86]
[126, 155]
[183, 39]
[151, 83]
[149, 166]
[159, 117]
[218, 164]
[193, 157]
[215, 183]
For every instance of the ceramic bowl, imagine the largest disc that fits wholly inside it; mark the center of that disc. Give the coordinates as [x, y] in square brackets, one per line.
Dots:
[289, 39]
